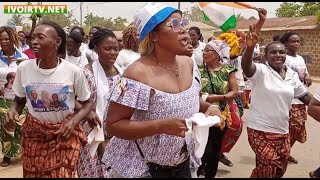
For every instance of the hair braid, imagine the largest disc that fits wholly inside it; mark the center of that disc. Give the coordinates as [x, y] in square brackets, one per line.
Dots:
[129, 38]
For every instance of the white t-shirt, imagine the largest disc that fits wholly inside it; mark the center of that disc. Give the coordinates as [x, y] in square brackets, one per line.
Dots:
[198, 54]
[80, 61]
[84, 47]
[92, 54]
[239, 73]
[55, 93]
[317, 94]
[127, 57]
[298, 65]
[8, 73]
[271, 98]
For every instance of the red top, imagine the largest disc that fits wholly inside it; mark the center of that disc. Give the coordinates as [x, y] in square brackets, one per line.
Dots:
[30, 53]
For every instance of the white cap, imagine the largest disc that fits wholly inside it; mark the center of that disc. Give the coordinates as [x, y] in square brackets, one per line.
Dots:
[149, 16]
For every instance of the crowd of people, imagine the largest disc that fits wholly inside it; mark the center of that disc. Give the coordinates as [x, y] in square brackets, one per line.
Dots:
[100, 107]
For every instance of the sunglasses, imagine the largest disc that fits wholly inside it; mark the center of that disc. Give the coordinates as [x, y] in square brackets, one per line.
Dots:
[177, 24]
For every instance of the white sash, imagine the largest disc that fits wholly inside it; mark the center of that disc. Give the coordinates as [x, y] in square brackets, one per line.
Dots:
[96, 136]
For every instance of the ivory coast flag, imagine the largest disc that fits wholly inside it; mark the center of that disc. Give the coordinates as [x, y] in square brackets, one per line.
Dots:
[222, 13]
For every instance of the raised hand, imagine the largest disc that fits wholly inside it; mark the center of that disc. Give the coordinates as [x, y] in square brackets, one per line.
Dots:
[262, 13]
[251, 36]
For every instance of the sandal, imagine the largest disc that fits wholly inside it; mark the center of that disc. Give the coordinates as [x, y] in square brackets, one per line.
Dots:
[293, 160]
[313, 175]
[225, 160]
[5, 162]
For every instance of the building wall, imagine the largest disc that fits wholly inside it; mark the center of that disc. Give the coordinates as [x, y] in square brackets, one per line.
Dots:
[310, 46]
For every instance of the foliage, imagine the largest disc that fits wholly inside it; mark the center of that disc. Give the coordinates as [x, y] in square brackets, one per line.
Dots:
[252, 18]
[240, 17]
[16, 19]
[116, 24]
[290, 9]
[62, 19]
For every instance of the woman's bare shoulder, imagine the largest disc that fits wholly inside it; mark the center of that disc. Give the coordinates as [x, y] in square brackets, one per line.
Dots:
[137, 71]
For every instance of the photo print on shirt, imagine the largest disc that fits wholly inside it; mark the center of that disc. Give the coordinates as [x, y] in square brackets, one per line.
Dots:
[47, 97]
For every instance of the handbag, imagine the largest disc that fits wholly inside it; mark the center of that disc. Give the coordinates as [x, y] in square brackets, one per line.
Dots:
[158, 171]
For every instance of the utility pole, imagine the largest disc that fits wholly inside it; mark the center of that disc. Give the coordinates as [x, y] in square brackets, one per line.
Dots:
[179, 4]
[88, 15]
[81, 13]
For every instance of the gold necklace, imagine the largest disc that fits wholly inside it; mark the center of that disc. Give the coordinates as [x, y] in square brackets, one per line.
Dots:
[169, 69]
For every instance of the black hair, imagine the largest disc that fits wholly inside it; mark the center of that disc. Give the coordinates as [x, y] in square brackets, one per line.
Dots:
[210, 38]
[22, 33]
[276, 37]
[96, 27]
[99, 36]
[79, 28]
[267, 48]
[13, 35]
[61, 33]
[197, 30]
[76, 37]
[285, 37]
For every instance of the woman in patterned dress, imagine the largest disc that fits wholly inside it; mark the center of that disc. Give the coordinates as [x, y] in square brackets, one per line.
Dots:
[51, 137]
[298, 113]
[102, 75]
[274, 86]
[10, 138]
[155, 96]
[222, 89]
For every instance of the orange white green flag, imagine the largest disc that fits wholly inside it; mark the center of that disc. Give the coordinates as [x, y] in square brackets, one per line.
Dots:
[222, 13]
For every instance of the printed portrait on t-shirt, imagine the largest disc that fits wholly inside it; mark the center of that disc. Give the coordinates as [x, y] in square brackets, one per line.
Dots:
[7, 88]
[47, 97]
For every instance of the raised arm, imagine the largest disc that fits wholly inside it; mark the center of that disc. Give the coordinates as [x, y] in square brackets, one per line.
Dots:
[247, 65]
[262, 18]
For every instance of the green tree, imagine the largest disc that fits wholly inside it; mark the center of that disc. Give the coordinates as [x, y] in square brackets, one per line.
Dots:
[299, 9]
[240, 17]
[62, 19]
[119, 23]
[94, 20]
[288, 9]
[16, 19]
[309, 8]
[252, 18]
[194, 15]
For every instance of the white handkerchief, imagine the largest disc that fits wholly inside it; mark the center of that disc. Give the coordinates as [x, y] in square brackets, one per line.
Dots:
[93, 141]
[201, 131]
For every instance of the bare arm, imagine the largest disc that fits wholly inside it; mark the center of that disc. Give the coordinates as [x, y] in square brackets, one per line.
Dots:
[203, 105]
[314, 109]
[306, 99]
[86, 107]
[231, 95]
[120, 125]
[249, 68]
[262, 18]
[18, 104]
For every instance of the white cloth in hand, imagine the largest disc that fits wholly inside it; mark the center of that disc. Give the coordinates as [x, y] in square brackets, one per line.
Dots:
[201, 131]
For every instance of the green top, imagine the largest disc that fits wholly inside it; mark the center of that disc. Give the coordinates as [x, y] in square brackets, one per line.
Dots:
[219, 79]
